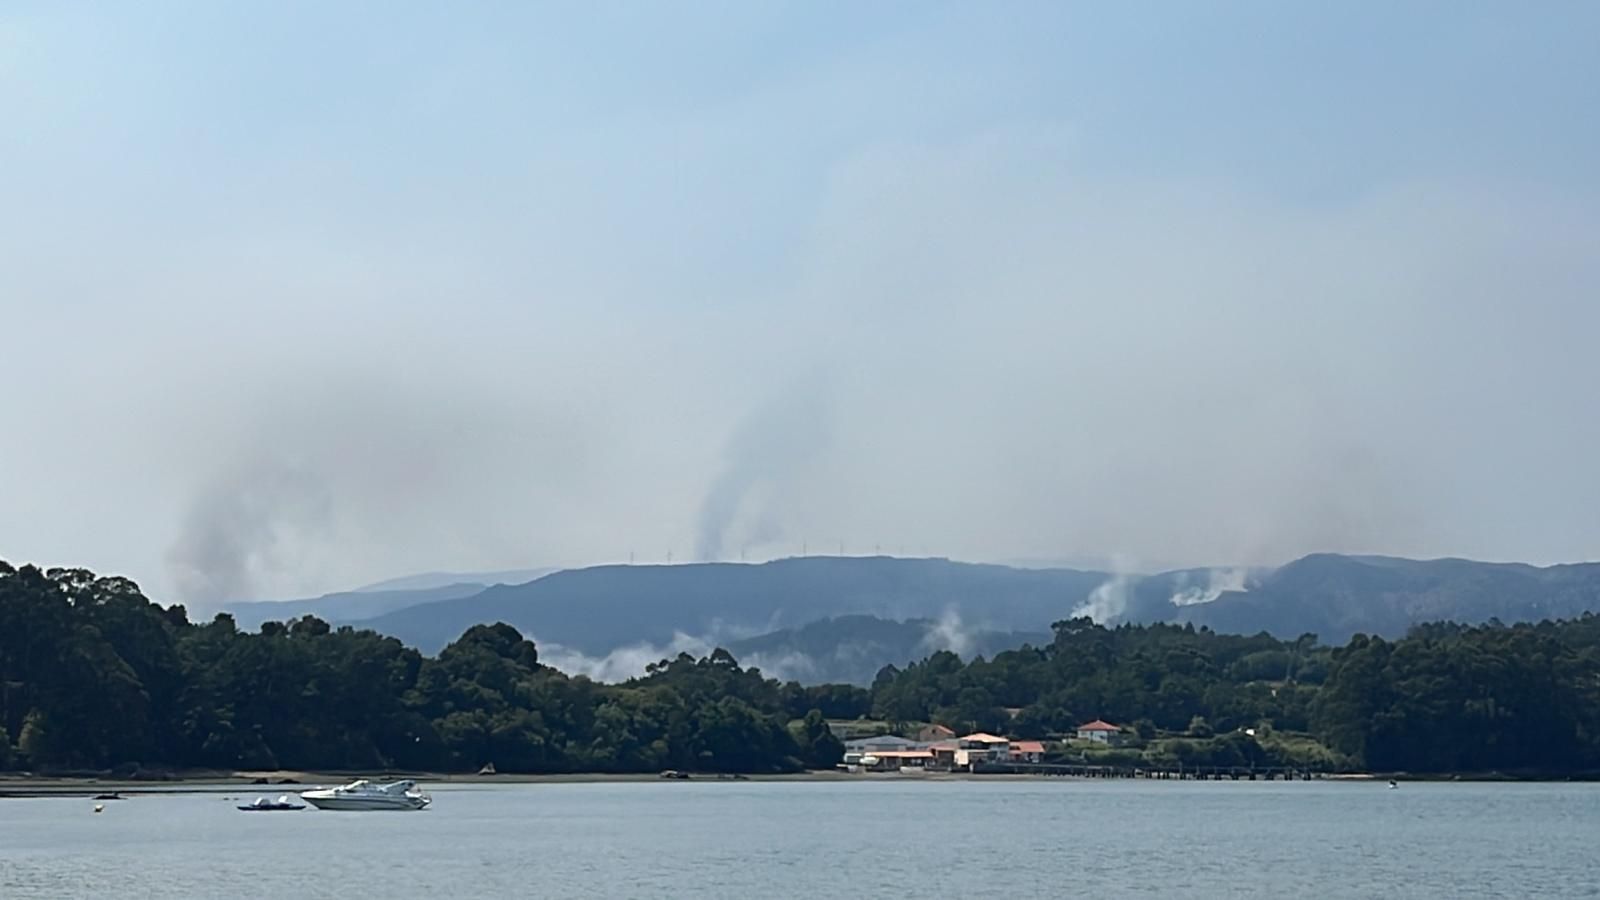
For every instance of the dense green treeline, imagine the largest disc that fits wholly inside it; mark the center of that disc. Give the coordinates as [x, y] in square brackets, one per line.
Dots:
[1447, 698]
[93, 676]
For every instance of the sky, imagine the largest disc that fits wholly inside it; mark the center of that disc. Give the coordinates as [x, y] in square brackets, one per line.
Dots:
[299, 296]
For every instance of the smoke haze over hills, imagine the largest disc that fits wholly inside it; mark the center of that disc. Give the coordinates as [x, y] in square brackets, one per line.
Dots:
[1203, 286]
[830, 619]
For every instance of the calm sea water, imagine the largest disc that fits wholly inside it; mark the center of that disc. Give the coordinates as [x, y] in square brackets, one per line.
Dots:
[829, 839]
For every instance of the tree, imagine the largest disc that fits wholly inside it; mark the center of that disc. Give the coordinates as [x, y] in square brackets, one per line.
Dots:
[819, 748]
[94, 676]
[1040, 720]
[34, 742]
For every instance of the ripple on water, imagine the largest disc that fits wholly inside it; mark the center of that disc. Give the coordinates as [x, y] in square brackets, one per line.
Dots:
[874, 839]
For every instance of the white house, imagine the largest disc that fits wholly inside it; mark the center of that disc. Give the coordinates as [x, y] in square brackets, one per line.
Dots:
[1099, 731]
[981, 747]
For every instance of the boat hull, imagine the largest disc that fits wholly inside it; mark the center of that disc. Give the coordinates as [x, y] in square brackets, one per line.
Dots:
[366, 804]
[364, 796]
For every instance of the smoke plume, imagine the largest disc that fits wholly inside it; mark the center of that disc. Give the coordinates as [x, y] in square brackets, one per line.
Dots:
[1218, 581]
[1107, 602]
[948, 633]
[246, 522]
[767, 449]
[630, 661]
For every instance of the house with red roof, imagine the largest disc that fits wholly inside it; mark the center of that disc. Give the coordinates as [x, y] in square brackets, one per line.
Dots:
[1026, 751]
[1099, 731]
[981, 747]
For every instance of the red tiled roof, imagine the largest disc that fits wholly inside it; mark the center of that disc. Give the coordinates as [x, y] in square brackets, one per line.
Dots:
[984, 738]
[1098, 725]
[1027, 747]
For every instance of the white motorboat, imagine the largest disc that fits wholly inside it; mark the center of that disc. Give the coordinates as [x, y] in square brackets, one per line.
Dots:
[364, 795]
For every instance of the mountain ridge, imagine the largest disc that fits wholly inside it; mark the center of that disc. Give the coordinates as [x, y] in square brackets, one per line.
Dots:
[597, 610]
[429, 580]
[587, 609]
[344, 607]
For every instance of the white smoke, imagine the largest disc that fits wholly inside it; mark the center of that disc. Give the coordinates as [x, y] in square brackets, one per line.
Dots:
[949, 634]
[766, 451]
[1218, 581]
[248, 523]
[1107, 602]
[791, 666]
[630, 661]
[623, 662]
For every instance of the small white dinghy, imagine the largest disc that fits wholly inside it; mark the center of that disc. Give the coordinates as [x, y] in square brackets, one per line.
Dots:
[262, 804]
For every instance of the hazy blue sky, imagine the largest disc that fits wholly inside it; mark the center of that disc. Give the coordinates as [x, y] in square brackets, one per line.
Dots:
[301, 295]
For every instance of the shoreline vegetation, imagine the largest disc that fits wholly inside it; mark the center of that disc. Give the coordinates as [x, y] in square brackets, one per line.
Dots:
[96, 678]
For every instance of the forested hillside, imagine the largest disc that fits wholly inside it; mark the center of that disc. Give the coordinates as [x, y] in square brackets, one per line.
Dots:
[597, 610]
[1447, 698]
[851, 649]
[93, 676]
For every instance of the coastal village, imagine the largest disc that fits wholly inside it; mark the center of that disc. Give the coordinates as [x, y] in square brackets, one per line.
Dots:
[936, 748]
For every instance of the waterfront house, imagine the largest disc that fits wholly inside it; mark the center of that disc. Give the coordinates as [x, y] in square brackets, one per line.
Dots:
[981, 747]
[1099, 731]
[897, 760]
[855, 749]
[880, 742]
[1026, 751]
[933, 734]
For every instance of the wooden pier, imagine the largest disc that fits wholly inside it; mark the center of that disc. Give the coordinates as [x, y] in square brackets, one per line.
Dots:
[1178, 773]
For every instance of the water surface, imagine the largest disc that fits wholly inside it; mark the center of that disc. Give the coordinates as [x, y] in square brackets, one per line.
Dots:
[828, 839]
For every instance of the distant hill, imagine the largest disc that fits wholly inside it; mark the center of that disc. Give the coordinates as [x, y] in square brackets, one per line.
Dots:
[851, 649]
[1336, 596]
[344, 607]
[598, 609]
[844, 616]
[377, 599]
[429, 580]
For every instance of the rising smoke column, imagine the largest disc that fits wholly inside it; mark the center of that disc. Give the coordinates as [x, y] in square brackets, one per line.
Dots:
[245, 521]
[766, 452]
[1218, 582]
